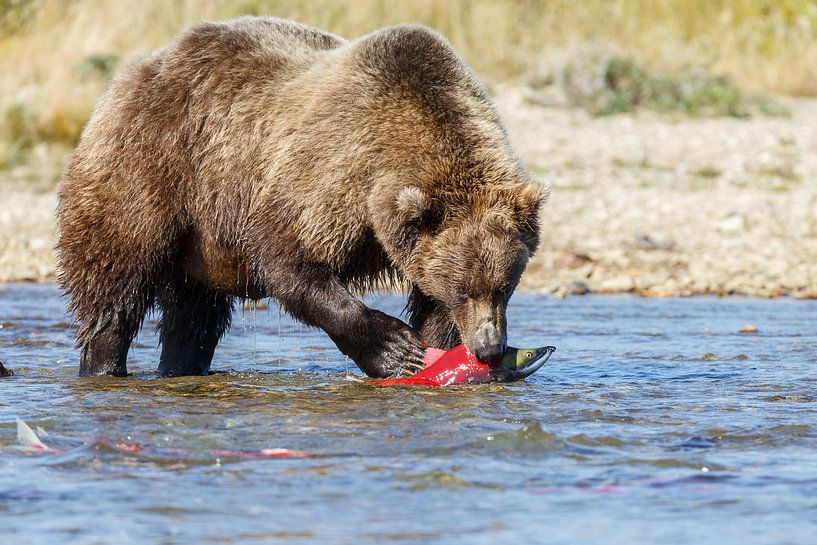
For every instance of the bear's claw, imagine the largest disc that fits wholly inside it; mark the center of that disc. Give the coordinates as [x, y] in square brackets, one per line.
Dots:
[409, 369]
[392, 347]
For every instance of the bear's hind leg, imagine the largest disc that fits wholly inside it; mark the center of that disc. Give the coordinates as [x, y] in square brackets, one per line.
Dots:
[108, 303]
[106, 349]
[194, 317]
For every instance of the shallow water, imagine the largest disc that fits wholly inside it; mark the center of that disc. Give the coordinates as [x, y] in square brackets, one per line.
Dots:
[654, 422]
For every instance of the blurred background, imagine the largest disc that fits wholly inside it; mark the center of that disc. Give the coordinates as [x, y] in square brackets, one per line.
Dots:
[680, 136]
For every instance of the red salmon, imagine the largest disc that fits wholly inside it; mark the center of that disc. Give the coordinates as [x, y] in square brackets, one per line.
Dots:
[459, 366]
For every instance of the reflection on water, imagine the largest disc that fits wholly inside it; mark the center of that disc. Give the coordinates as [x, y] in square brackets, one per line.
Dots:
[655, 422]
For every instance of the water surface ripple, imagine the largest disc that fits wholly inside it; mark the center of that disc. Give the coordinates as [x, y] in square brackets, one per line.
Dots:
[654, 422]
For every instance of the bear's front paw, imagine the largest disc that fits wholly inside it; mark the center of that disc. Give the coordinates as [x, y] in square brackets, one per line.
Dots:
[392, 348]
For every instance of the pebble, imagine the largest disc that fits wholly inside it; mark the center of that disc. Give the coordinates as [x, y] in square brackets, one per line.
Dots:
[732, 224]
[579, 288]
[619, 284]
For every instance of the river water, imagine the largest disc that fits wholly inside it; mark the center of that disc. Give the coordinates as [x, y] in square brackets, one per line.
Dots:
[654, 422]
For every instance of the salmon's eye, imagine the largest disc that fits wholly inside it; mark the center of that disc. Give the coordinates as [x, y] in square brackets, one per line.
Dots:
[528, 354]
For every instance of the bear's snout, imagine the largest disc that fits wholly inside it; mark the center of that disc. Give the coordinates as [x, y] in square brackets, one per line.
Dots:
[489, 342]
[482, 327]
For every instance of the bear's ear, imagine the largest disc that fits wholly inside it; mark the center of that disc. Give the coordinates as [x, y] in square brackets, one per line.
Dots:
[528, 202]
[411, 202]
[415, 208]
[530, 198]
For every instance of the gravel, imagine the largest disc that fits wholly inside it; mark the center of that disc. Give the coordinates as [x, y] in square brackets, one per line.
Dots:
[666, 206]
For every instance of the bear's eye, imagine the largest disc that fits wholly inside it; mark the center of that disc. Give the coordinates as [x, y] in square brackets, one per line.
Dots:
[501, 295]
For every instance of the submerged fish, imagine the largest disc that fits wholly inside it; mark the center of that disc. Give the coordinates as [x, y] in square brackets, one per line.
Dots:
[459, 366]
[31, 441]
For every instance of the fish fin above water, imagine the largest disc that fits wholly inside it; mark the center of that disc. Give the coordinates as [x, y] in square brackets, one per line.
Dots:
[27, 437]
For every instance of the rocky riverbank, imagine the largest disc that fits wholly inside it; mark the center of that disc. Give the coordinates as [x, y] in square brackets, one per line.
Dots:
[645, 203]
[664, 206]
[26, 235]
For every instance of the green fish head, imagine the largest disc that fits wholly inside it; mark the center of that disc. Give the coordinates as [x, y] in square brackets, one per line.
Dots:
[518, 363]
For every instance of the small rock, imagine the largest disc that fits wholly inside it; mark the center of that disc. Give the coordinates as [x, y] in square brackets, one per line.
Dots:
[748, 328]
[560, 292]
[732, 224]
[618, 284]
[585, 271]
[646, 242]
[709, 356]
[38, 244]
[574, 260]
[578, 288]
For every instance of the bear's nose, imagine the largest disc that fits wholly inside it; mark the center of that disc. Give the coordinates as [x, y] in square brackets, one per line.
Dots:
[489, 342]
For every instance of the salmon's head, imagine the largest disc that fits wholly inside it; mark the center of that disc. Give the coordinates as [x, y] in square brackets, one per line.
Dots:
[519, 363]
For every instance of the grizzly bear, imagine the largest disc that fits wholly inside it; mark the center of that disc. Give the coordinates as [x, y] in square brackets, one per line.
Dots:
[263, 158]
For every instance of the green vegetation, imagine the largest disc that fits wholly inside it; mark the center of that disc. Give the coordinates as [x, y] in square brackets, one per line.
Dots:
[17, 133]
[608, 83]
[21, 129]
[15, 15]
[97, 65]
[709, 173]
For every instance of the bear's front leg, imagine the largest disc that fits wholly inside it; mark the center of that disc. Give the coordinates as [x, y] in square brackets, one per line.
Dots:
[379, 344]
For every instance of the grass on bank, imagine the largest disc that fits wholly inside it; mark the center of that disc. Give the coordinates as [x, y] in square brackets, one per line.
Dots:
[56, 55]
[605, 82]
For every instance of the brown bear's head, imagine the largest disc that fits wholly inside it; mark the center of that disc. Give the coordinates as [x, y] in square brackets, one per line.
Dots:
[465, 249]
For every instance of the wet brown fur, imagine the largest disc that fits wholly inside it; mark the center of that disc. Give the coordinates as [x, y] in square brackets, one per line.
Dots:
[264, 158]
